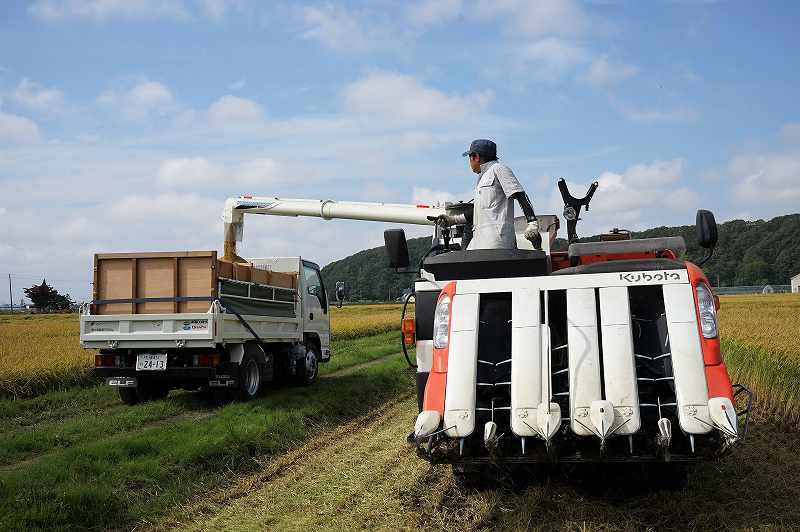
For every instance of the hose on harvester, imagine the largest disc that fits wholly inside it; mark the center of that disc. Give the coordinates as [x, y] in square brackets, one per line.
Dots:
[402, 337]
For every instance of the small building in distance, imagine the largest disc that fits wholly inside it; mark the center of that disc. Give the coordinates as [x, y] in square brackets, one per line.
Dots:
[796, 284]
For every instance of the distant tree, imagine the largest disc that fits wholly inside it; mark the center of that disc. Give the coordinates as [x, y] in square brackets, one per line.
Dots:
[47, 299]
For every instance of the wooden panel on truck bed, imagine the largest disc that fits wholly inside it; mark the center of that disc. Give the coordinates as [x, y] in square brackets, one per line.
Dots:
[114, 278]
[155, 275]
[197, 276]
[154, 278]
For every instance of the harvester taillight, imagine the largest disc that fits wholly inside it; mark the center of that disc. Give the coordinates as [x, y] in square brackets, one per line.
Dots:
[409, 331]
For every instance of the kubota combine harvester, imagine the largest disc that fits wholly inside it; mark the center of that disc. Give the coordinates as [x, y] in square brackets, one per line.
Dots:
[608, 351]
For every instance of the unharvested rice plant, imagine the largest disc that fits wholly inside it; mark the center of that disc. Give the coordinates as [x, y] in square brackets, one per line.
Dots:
[39, 352]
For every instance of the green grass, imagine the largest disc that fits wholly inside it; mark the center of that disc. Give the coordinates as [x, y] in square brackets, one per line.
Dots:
[113, 467]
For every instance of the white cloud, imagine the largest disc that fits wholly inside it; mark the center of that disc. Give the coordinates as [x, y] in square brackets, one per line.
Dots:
[429, 12]
[99, 10]
[790, 133]
[188, 171]
[79, 228]
[604, 72]
[196, 171]
[540, 17]
[166, 206]
[429, 196]
[340, 29]
[35, 96]
[552, 58]
[237, 85]
[655, 174]
[771, 178]
[144, 99]
[230, 110]
[18, 129]
[3, 210]
[394, 97]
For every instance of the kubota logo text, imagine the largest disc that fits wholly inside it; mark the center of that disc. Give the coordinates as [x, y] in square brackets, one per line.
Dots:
[649, 277]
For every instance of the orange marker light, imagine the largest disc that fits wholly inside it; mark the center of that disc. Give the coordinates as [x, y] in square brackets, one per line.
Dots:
[408, 326]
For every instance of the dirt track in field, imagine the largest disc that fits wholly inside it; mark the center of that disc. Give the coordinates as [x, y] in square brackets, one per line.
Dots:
[364, 476]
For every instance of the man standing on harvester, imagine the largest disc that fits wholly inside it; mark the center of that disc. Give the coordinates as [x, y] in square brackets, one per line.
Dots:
[493, 209]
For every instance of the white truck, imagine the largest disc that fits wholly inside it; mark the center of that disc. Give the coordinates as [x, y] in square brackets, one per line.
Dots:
[187, 320]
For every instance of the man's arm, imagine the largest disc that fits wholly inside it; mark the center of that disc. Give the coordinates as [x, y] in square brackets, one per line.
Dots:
[525, 203]
[532, 231]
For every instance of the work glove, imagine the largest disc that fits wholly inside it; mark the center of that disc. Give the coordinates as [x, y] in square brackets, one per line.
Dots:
[532, 231]
[531, 234]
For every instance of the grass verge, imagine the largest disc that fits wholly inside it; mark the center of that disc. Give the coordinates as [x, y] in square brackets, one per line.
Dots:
[130, 476]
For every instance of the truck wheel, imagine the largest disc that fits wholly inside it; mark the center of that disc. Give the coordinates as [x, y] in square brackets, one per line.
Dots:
[250, 378]
[307, 369]
[133, 396]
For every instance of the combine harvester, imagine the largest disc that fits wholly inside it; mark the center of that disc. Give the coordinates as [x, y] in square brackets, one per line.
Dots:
[606, 352]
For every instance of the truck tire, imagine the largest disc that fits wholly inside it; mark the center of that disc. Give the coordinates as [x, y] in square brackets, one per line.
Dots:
[251, 378]
[133, 396]
[307, 368]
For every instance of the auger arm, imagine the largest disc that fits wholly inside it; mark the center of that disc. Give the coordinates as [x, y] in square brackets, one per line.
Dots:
[236, 208]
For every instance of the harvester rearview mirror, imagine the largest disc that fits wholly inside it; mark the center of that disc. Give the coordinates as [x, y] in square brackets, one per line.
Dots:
[396, 248]
[706, 229]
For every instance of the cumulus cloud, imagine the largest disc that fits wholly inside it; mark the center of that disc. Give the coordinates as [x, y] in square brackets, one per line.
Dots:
[37, 97]
[99, 10]
[790, 133]
[18, 129]
[551, 58]
[602, 71]
[230, 110]
[194, 171]
[429, 196]
[772, 177]
[394, 97]
[342, 29]
[541, 17]
[144, 99]
[429, 12]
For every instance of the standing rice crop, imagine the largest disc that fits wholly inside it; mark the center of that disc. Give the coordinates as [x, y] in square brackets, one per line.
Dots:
[761, 344]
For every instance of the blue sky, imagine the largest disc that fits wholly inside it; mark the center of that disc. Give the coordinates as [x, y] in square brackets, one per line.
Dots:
[124, 124]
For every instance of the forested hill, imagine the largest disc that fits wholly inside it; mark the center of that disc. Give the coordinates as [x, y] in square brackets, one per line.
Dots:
[748, 253]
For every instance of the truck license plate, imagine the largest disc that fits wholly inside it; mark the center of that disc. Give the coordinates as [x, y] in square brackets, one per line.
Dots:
[156, 362]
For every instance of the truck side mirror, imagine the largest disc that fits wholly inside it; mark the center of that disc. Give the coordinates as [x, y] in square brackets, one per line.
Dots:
[396, 248]
[339, 293]
[706, 229]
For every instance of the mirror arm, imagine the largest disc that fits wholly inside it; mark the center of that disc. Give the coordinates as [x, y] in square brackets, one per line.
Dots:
[708, 256]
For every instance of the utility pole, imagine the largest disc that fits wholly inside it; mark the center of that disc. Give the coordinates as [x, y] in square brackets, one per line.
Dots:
[10, 297]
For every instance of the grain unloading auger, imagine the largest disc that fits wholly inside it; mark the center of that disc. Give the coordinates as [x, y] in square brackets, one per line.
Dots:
[608, 351]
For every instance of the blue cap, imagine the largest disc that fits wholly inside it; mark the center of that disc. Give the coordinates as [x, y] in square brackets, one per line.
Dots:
[484, 147]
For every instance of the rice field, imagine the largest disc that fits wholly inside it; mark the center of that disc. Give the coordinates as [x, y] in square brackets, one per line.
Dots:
[42, 352]
[760, 336]
[761, 344]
